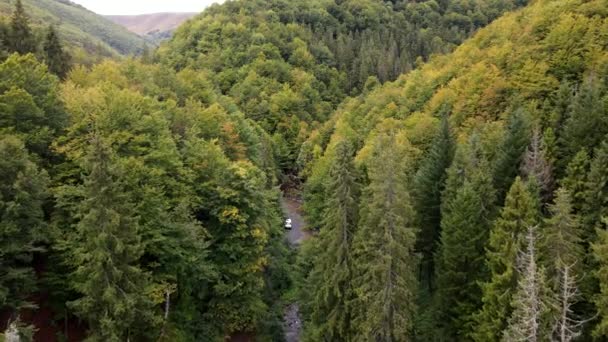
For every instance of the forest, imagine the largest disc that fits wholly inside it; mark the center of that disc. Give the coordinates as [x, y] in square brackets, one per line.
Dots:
[451, 157]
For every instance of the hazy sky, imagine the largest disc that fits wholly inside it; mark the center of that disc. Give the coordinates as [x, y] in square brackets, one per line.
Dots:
[144, 6]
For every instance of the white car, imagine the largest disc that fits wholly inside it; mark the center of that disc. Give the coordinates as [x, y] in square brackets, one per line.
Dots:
[288, 223]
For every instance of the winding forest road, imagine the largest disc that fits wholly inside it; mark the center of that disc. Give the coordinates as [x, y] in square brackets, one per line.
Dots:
[292, 208]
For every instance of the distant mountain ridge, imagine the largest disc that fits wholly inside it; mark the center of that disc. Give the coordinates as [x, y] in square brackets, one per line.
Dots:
[153, 26]
[81, 28]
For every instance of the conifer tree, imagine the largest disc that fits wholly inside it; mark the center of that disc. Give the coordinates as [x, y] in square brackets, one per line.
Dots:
[595, 220]
[600, 252]
[23, 190]
[385, 262]
[466, 218]
[521, 211]
[561, 241]
[3, 39]
[427, 186]
[106, 253]
[333, 270]
[575, 181]
[510, 152]
[21, 39]
[56, 57]
[587, 123]
[595, 207]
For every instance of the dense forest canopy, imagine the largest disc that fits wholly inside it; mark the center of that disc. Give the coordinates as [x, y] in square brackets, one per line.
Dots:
[288, 64]
[453, 175]
[506, 136]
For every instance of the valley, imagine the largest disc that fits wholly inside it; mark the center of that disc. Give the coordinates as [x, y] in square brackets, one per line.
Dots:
[442, 162]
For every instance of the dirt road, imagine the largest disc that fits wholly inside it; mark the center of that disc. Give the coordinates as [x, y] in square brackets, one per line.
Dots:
[292, 208]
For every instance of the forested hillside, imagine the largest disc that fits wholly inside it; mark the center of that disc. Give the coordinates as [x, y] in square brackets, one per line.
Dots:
[467, 200]
[288, 64]
[453, 175]
[89, 36]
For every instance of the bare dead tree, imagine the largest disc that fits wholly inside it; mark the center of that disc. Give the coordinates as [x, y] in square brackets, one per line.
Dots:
[567, 327]
[524, 324]
[536, 165]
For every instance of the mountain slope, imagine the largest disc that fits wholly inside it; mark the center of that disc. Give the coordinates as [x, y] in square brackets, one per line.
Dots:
[152, 25]
[288, 64]
[82, 29]
[525, 97]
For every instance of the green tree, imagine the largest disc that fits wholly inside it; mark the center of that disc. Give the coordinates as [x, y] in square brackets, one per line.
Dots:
[57, 59]
[586, 124]
[106, 253]
[333, 271]
[575, 181]
[385, 281]
[21, 39]
[520, 212]
[600, 252]
[561, 242]
[23, 190]
[595, 207]
[466, 217]
[231, 203]
[511, 152]
[428, 183]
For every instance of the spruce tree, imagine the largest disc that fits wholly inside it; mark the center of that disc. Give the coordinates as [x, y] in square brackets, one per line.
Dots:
[595, 221]
[23, 190]
[385, 262]
[466, 219]
[332, 274]
[511, 152]
[520, 212]
[575, 181]
[595, 207]
[561, 241]
[586, 124]
[600, 252]
[427, 186]
[106, 254]
[57, 59]
[21, 39]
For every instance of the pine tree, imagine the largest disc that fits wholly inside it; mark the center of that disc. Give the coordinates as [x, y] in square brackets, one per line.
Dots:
[106, 253]
[56, 57]
[466, 217]
[23, 190]
[21, 39]
[520, 212]
[333, 270]
[529, 306]
[510, 153]
[427, 186]
[385, 262]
